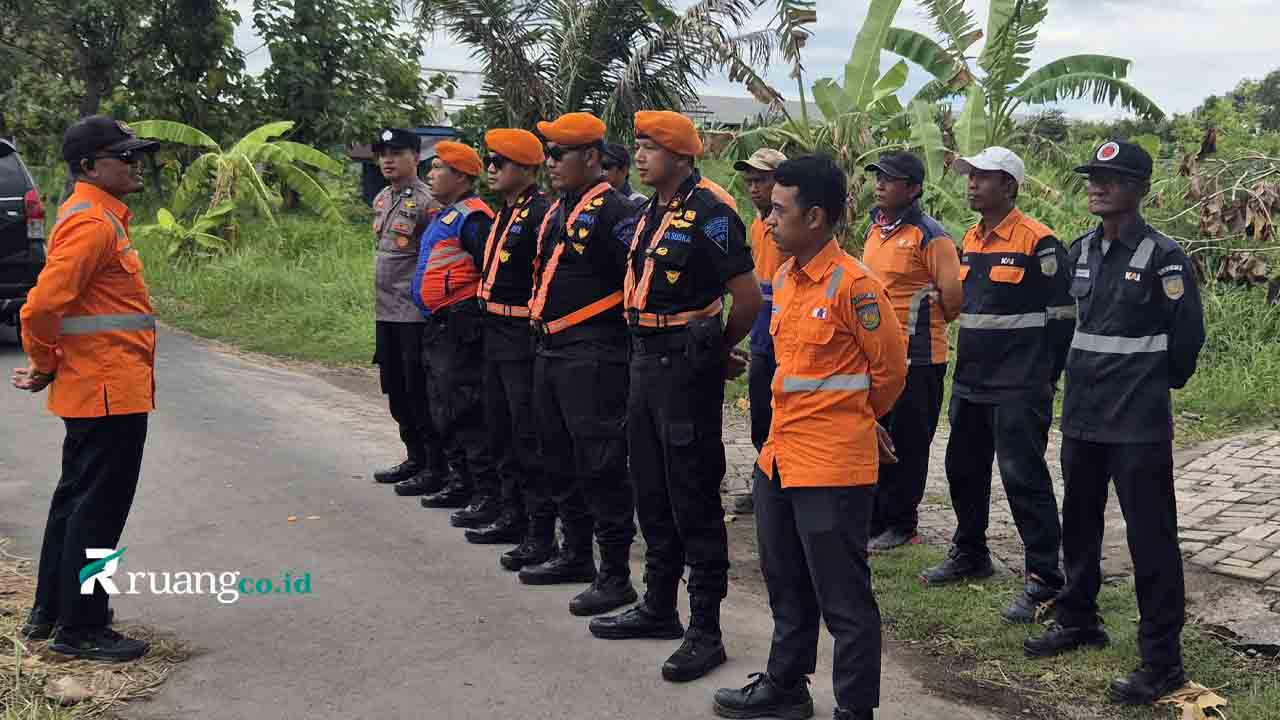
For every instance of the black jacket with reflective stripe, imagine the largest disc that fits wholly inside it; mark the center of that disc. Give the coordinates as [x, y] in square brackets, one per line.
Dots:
[1139, 330]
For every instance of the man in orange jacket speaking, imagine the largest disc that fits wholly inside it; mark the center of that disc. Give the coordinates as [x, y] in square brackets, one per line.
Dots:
[91, 339]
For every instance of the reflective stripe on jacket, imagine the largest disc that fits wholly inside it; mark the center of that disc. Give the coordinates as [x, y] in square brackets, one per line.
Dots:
[446, 273]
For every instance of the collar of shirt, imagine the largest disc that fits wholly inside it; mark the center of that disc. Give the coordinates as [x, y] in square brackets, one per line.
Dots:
[887, 229]
[1130, 239]
[1004, 229]
[523, 198]
[819, 264]
[113, 204]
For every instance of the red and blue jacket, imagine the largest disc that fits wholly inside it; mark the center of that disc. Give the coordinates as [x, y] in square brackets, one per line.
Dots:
[450, 255]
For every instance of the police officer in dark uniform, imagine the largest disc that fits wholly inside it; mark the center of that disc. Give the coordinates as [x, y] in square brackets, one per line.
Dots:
[444, 287]
[689, 250]
[400, 214]
[1139, 331]
[505, 286]
[580, 375]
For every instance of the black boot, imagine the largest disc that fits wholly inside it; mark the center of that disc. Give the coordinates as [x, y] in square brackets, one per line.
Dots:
[568, 566]
[1025, 608]
[396, 473]
[482, 511]
[765, 696]
[529, 552]
[1058, 639]
[702, 650]
[957, 567]
[891, 539]
[844, 714]
[455, 494]
[607, 592]
[425, 482]
[1147, 684]
[508, 528]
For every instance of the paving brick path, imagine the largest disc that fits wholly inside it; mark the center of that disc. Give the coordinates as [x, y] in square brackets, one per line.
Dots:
[1228, 504]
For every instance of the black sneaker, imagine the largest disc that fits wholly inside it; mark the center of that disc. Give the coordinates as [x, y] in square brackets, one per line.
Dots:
[454, 495]
[959, 566]
[509, 528]
[606, 593]
[1147, 684]
[764, 697]
[1058, 639]
[1034, 602]
[396, 473]
[638, 622]
[891, 539]
[565, 567]
[529, 552]
[700, 653]
[98, 644]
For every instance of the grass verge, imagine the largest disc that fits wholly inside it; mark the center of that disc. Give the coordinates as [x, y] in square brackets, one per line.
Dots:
[963, 625]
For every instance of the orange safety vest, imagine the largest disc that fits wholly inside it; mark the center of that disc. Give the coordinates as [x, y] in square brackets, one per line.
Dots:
[446, 273]
[636, 294]
[542, 280]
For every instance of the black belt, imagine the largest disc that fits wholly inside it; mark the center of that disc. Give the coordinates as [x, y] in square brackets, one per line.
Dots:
[577, 334]
[660, 343]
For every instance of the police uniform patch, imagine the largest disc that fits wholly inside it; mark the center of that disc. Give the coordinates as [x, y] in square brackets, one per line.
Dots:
[717, 231]
[402, 241]
[504, 256]
[869, 316]
[673, 276]
[1108, 151]
[1174, 287]
[1049, 265]
[448, 219]
[386, 136]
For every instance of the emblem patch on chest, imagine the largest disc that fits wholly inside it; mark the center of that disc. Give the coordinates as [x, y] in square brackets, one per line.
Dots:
[402, 241]
[1134, 276]
[869, 316]
[673, 276]
[579, 247]
[504, 256]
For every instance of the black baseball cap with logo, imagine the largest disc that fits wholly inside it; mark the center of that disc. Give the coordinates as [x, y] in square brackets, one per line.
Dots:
[397, 138]
[100, 133]
[1120, 157]
[900, 165]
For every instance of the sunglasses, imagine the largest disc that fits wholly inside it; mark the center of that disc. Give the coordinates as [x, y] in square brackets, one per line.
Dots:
[558, 152]
[124, 156]
[497, 162]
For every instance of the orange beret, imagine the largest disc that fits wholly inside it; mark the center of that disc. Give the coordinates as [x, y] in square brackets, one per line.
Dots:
[573, 129]
[459, 157]
[671, 130]
[519, 146]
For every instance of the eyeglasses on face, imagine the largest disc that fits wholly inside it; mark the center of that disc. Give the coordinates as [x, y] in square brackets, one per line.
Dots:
[497, 162]
[558, 152]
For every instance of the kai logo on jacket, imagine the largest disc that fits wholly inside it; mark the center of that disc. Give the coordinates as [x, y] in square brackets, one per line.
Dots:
[820, 313]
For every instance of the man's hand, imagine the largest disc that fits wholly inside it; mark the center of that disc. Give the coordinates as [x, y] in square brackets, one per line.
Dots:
[885, 443]
[30, 379]
[735, 363]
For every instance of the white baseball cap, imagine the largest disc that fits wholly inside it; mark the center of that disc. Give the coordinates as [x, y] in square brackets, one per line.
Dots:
[993, 158]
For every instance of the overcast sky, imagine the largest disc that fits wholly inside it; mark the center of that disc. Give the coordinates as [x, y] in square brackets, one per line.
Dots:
[1182, 50]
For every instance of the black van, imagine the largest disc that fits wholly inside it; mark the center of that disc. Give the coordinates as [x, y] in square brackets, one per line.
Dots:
[22, 234]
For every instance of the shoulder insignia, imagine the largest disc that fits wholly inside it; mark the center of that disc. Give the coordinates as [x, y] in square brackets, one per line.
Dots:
[504, 256]
[864, 297]
[448, 219]
[717, 231]
[1049, 264]
[1174, 287]
[580, 248]
[673, 276]
[1170, 269]
[869, 315]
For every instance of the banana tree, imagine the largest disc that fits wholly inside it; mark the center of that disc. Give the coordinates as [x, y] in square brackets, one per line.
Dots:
[1006, 82]
[231, 178]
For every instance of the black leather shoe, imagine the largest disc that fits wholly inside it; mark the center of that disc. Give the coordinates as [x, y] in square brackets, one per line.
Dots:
[481, 512]
[1147, 684]
[423, 482]
[700, 653]
[764, 697]
[509, 528]
[638, 622]
[564, 568]
[454, 495]
[529, 552]
[844, 714]
[959, 567]
[98, 644]
[1058, 639]
[607, 592]
[891, 539]
[1026, 608]
[397, 473]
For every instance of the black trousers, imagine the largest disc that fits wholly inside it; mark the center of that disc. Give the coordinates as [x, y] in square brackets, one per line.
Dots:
[453, 352]
[398, 355]
[760, 395]
[508, 416]
[580, 402]
[676, 453]
[813, 552]
[1143, 475]
[911, 423]
[101, 459]
[1016, 433]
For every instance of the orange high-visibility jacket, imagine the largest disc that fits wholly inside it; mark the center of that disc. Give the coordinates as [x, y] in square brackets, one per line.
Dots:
[88, 320]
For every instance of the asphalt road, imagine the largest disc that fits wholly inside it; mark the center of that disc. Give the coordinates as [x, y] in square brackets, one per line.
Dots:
[404, 618]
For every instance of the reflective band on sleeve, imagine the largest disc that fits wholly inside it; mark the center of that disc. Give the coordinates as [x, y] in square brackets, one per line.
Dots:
[1119, 345]
[120, 234]
[1047, 252]
[913, 313]
[1001, 322]
[89, 324]
[1142, 256]
[833, 383]
[835, 282]
[1084, 251]
[1060, 312]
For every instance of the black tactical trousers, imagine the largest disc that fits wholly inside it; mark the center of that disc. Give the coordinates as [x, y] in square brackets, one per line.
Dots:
[101, 459]
[1143, 475]
[1016, 433]
[813, 553]
[760, 395]
[911, 424]
[676, 454]
[580, 403]
[453, 352]
[401, 369]
[508, 415]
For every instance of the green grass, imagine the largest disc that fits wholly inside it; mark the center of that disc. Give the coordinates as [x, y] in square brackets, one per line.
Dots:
[962, 624]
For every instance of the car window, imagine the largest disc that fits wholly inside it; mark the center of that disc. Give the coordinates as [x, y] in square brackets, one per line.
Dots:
[13, 176]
